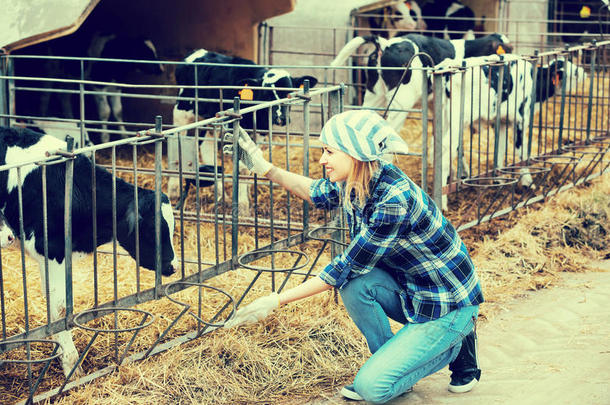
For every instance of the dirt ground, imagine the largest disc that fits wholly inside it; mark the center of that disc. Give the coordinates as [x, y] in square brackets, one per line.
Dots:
[547, 347]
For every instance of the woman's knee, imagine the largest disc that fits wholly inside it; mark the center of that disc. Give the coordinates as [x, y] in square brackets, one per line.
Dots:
[354, 289]
[364, 286]
[372, 390]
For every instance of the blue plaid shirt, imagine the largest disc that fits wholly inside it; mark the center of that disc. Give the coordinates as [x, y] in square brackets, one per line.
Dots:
[402, 231]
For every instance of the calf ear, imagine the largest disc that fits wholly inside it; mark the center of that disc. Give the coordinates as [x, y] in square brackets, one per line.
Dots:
[501, 48]
[298, 81]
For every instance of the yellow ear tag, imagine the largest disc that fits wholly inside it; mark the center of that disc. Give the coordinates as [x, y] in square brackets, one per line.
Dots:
[301, 86]
[246, 94]
[500, 50]
[585, 12]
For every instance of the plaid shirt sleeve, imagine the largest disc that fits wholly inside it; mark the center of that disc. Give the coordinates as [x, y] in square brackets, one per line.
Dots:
[325, 194]
[375, 239]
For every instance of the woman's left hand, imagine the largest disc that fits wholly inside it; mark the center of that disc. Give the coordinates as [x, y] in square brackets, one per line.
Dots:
[255, 311]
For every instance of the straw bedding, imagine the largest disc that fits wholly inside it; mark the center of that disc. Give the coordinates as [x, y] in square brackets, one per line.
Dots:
[305, 350]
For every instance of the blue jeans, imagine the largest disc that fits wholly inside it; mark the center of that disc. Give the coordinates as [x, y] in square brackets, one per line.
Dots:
[416, 351]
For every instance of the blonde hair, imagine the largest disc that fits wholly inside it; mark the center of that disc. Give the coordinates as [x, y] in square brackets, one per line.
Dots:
[358, 182]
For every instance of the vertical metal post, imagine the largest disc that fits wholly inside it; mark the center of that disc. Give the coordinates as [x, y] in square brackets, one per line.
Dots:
[437, 186]
[136, 204]
[306, 115]
[335, 106]
[68, 229]
[590, 104]
[11, 91]
[263, 49]
[81, 88]
[235, 201]
[158, 247]
[4, 89]
[497, 133]
[94, 228]
[115, 276]
[26, 312]
[530, 130]
[424, 126]
[562, 111]
[45, 241]
[460, 152]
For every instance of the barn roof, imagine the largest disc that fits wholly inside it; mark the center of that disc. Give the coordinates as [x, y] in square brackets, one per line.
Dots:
[27, 22]
[229, 25]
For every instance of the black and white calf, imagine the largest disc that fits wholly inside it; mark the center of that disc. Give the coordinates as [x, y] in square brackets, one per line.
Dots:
[449, 19]
[481, 80]
[261, 84]
[397, 18]
[397, 52]
[19, 145]
[111, 46]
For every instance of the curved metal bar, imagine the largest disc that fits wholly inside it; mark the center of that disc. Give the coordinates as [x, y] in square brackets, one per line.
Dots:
[556, 159]
[493, 181]
[57, 350]
[585, 149]
[188, 306]
[112, 310]
[328, 229]
[516, 170]
[241, 258]
[601, 139]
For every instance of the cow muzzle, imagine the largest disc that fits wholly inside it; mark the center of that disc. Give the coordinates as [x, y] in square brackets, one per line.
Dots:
[169, 268]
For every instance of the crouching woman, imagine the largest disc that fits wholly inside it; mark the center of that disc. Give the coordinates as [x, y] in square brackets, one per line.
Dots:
[405, 261]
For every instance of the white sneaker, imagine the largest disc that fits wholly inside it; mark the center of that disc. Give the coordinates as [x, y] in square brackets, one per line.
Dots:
[460, 389]
[349, 392]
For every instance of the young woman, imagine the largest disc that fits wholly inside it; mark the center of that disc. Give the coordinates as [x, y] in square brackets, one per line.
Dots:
[405, 261]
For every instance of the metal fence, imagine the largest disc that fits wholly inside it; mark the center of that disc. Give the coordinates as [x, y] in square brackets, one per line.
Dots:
[567, 140]
[111, 293]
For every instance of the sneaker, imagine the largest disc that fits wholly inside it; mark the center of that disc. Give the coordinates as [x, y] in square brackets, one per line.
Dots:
[349, 392]
[461, 384]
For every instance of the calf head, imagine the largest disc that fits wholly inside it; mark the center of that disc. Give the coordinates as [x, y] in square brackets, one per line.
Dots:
[6, 234]
[150, 53]
[146, 228]
[279, 82]
[567, 70]
[136, 49]
[499, 44]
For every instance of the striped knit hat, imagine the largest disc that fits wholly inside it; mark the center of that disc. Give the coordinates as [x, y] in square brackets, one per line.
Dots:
[363, 135]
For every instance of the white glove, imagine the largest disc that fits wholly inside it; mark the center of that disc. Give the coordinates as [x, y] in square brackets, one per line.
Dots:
[250, 154]
[257, 310]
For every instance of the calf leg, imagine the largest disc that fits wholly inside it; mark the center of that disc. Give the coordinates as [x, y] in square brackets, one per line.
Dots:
[521, 143]
[117, 109]
[57, 308]
[405, 98]
[103, 112]
[181, 117]
[208, 149]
